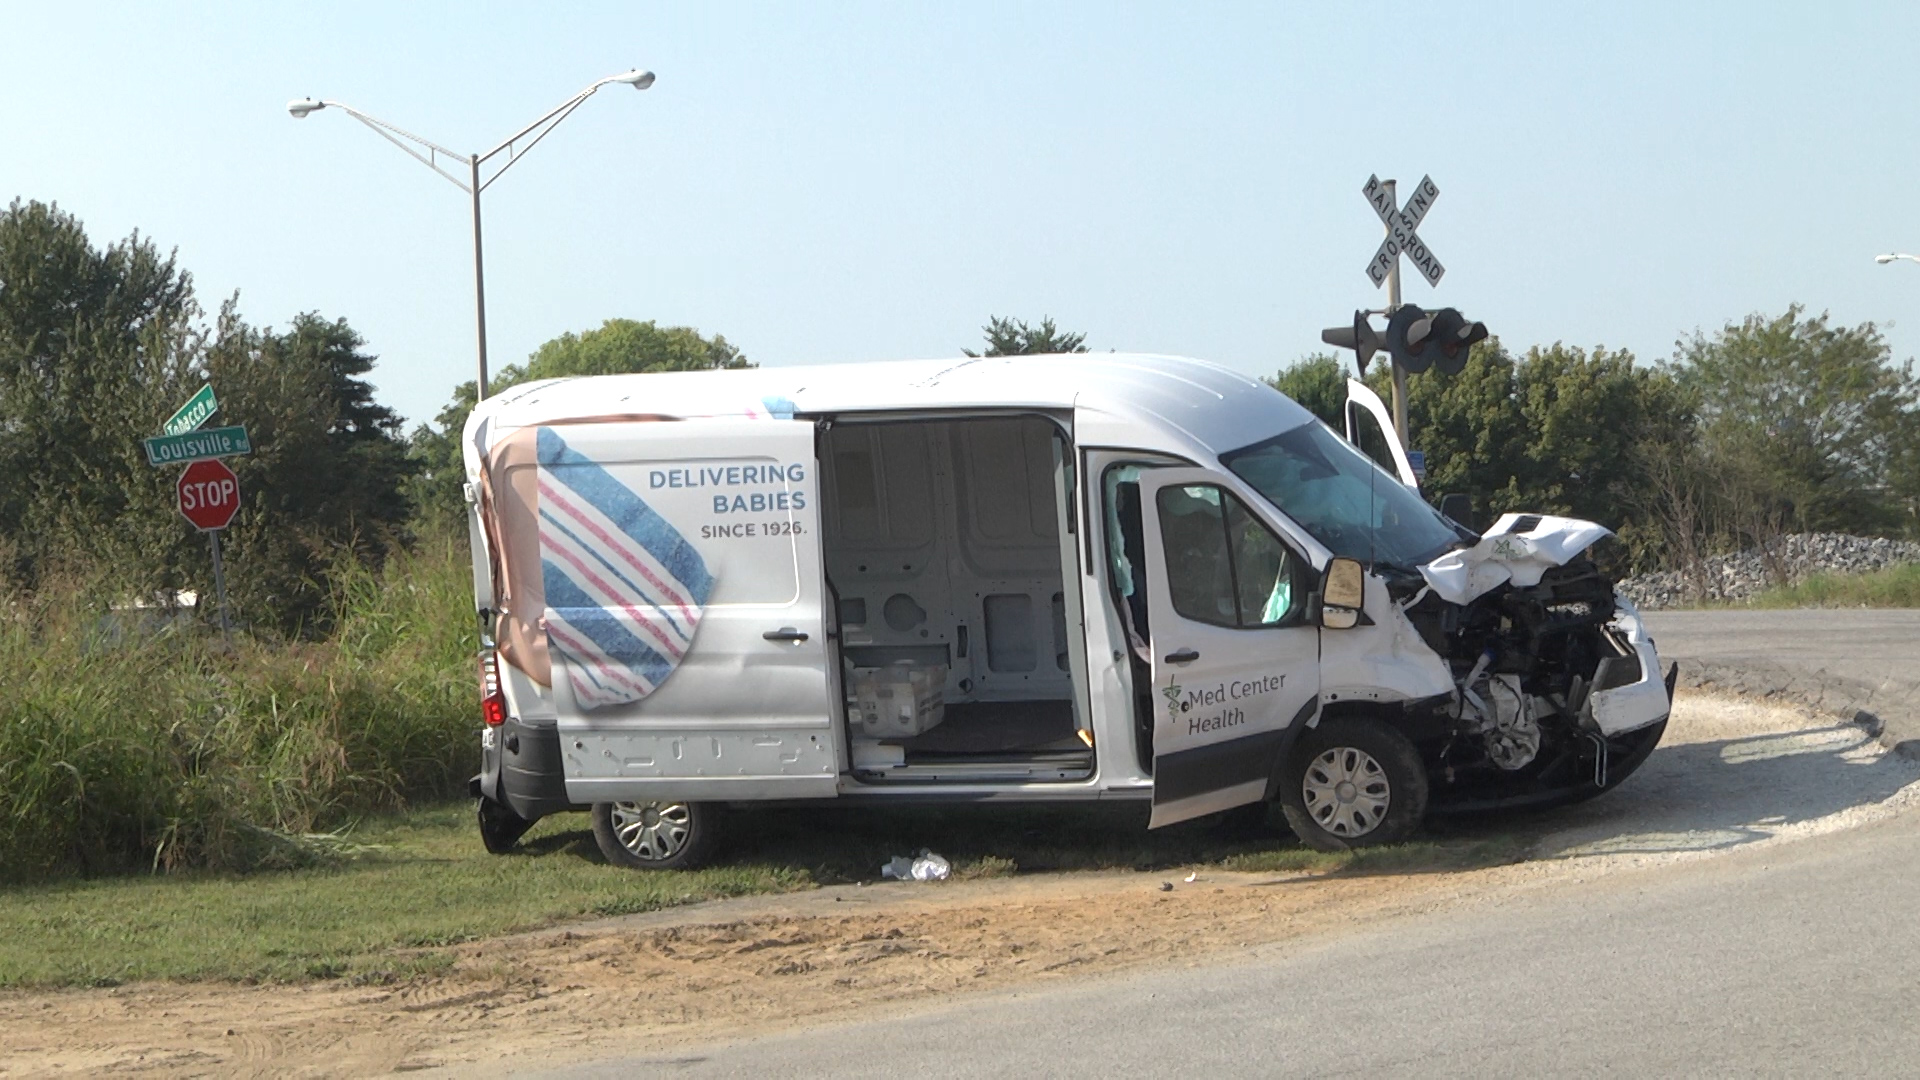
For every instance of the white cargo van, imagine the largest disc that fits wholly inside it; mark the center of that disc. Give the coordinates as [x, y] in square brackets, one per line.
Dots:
[1023, 579]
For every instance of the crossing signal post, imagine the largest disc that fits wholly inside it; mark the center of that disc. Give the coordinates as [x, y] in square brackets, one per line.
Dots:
[1415, 340]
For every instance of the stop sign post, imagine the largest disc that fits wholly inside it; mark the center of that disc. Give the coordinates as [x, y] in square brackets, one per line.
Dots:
[209, 494]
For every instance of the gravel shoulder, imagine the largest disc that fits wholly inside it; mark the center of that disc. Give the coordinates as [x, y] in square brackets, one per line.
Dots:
[1731, 775]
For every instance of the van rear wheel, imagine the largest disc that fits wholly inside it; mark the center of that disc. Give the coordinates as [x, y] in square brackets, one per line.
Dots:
[655, 835]
[500, 827]
[1353, 783]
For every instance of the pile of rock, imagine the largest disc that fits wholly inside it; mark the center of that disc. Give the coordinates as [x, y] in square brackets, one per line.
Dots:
[1741, 576]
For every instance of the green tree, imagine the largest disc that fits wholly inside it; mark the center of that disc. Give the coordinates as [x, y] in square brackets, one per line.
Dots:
[1318, 381]
[1819, 417]
[324, 484]
[93, 344]
[97, 348]
[1013, 337]
[619, 346]
[1469, 426]
[1586, 414]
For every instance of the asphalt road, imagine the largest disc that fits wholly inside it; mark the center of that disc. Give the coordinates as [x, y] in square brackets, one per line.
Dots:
[1872, 646]
[1794, 959]
[1837, 659]
[1786, 959]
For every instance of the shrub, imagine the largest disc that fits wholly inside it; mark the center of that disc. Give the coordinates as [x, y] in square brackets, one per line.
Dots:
[161, 747]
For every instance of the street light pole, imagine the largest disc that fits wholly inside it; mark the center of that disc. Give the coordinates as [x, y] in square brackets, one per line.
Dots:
[473, 185]
[479, 281]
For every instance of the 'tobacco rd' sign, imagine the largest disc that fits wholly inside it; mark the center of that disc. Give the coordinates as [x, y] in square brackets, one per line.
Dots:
[209, 494]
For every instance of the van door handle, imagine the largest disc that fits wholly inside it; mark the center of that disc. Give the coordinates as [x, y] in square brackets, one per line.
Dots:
[1182, 656]
[785, 633]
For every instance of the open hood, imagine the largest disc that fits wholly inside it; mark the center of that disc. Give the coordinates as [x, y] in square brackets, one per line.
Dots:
[1518, 549]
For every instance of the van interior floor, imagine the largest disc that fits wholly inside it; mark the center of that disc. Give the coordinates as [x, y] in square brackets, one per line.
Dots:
[997, 728]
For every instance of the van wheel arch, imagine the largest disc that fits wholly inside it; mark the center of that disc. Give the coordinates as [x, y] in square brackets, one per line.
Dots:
[1353, 781]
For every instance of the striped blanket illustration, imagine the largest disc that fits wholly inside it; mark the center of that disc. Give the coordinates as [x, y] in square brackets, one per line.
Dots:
[624, 588]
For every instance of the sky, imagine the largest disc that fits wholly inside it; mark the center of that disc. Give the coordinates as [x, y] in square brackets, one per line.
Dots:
[847, 182]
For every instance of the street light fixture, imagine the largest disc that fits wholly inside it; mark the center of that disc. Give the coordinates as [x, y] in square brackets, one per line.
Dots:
[1885, 259]
[473, 185]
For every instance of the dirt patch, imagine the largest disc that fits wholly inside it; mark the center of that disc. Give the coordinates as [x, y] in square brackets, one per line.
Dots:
[1733, 773]
[568, 992]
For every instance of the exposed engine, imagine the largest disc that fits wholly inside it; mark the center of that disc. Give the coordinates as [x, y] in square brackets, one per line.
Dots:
[1504, 717]
[1525, 662]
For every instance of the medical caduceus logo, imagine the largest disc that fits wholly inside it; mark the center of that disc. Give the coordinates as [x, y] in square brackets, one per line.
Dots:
[1171, 692]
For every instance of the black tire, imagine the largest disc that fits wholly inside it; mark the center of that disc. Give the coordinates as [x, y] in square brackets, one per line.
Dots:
[500, 827]
[656, 835]
[1386, 796]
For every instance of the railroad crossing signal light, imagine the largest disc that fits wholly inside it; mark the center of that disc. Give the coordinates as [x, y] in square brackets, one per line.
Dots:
[1454, 335]
[1418, 339]
[1361, 337]
[1408, 334]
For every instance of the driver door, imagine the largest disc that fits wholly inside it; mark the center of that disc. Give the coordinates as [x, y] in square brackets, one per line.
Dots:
[1236, 663]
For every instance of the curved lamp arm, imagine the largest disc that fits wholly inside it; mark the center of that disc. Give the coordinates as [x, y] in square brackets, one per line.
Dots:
[433, 152]
[636, 78]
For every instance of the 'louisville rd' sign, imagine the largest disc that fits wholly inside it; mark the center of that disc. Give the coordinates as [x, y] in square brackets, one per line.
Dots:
[198, 445]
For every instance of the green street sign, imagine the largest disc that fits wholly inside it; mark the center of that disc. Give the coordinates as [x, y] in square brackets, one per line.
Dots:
[194, 413]
[198, 445]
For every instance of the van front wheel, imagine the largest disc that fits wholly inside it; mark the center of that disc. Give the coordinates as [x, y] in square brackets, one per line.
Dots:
[655, 835]
[1353, 783]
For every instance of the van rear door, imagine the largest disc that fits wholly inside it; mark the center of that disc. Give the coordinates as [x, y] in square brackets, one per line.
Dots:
[1236, 662]
[682, 581]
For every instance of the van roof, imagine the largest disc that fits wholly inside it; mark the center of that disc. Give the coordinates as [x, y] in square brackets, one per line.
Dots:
[1179, 405]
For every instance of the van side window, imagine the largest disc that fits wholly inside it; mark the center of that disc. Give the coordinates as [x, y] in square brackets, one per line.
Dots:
[1223, 565]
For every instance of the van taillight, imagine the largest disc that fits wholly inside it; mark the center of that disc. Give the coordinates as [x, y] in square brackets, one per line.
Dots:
[493, 702]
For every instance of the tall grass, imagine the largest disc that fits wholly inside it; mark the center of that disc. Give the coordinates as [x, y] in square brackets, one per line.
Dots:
[1893, 587]
[162, 748]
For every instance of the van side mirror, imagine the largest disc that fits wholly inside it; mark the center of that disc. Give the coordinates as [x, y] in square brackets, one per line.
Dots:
[1342, 594]
[1457, 508]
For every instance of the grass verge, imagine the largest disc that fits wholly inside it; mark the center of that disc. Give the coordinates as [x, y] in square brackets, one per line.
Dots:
[400, 890]
[1894, 587]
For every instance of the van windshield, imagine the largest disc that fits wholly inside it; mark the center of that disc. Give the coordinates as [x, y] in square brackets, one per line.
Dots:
[1341, 497]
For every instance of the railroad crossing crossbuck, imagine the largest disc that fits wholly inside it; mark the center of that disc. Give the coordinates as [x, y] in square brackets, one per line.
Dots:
[1401, 223]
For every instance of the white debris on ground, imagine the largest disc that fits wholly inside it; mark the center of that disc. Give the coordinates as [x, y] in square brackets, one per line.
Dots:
[924, 867]
[1745, 574]
[1730, 773]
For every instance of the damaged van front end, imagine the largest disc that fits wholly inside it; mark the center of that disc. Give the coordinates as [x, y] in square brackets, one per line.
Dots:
[1539, 684]
[1507, 663]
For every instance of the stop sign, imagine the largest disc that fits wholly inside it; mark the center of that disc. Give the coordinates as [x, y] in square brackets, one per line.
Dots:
[209, 494]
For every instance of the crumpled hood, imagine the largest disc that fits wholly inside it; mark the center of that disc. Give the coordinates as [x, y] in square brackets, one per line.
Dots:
[1510, 554]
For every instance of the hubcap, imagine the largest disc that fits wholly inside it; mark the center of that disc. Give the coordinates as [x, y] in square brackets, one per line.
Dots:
[652, 831]
[1346, 791]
